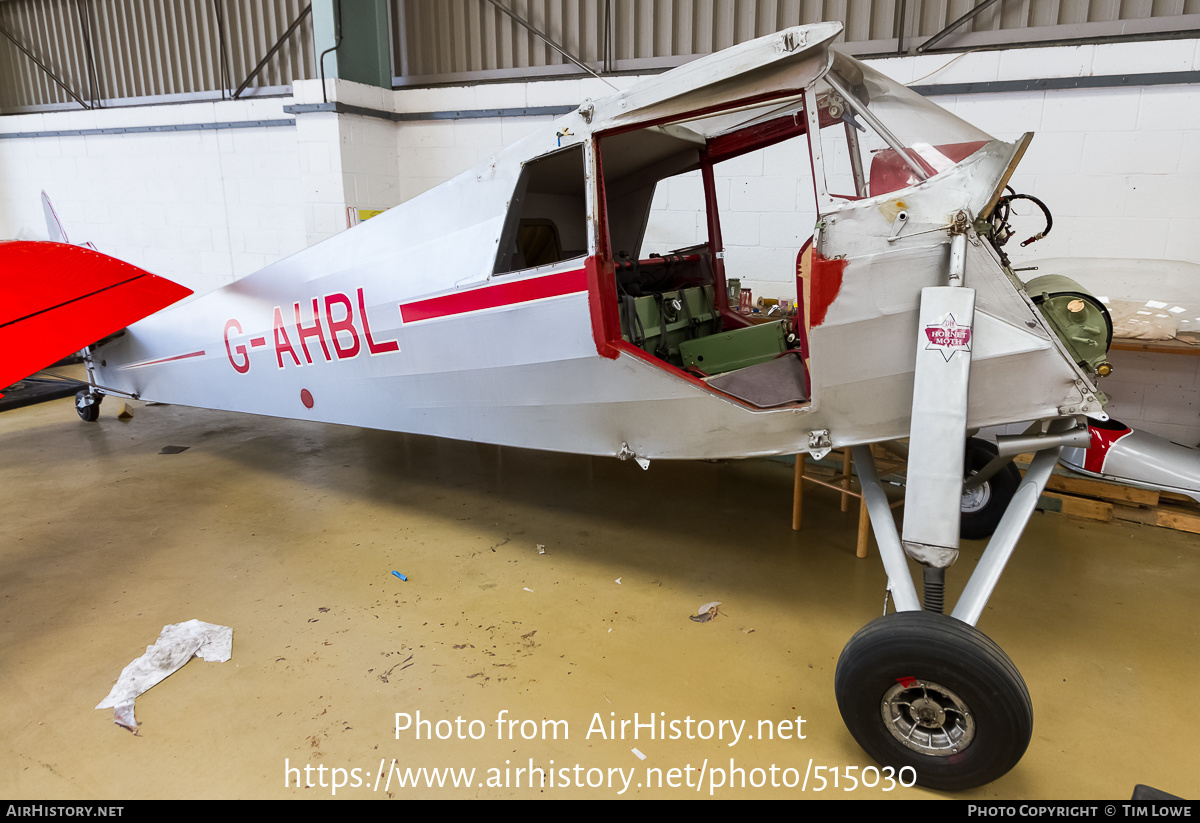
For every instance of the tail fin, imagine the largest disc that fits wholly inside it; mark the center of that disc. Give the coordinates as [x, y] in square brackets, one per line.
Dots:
[56, 299]
[54, 226]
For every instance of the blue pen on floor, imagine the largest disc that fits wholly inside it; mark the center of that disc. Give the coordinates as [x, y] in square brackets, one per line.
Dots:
[402, 577]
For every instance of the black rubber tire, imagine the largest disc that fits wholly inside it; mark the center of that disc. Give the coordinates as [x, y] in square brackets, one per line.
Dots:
[980, 522]
[88, 412]
[920, 653]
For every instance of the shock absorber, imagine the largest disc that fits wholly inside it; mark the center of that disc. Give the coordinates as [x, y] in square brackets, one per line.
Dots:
[935, 589]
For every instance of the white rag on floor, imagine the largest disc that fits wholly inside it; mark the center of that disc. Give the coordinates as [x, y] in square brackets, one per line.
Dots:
[175, 646]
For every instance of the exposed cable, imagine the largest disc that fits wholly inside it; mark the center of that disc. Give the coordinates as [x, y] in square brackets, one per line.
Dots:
[947, 65]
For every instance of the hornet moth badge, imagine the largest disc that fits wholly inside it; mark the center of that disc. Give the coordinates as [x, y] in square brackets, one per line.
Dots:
[948, 337]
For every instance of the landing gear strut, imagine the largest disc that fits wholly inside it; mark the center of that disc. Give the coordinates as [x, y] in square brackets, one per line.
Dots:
[927, 692]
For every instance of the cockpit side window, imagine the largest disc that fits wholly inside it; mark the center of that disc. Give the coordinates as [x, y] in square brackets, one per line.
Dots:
[547, 218]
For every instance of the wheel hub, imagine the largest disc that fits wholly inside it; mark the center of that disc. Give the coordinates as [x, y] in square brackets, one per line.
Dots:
[927, 717]
[928, 713]
[977, 498]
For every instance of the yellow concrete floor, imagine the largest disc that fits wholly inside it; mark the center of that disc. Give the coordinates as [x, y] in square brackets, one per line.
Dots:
[289, 532]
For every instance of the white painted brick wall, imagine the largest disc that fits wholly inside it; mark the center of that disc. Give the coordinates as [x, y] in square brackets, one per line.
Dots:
[1119, 167]
[1158, 393]
[200, 207]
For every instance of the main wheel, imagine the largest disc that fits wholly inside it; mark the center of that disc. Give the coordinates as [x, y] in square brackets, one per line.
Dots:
[926, 691]
[87, 405]
[983, 507]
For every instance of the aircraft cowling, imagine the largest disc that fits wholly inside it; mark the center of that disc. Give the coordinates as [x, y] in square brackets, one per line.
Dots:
[1079, 319]
[1120, 454]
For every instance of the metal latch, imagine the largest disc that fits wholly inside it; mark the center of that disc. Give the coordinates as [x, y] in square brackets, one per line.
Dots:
[819, 443]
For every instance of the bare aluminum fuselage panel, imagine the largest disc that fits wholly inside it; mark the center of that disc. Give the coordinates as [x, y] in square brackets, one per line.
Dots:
[401, 323]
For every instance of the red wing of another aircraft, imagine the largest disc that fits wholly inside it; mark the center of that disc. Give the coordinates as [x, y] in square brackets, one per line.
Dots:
[56, 298]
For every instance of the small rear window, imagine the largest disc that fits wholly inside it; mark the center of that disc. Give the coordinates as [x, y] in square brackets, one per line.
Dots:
[547, 218]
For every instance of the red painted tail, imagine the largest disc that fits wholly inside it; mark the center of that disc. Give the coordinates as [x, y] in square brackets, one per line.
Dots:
[55, 299]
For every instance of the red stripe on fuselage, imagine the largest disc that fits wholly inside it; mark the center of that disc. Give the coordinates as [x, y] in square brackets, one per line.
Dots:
[495, 296]
[163, 360]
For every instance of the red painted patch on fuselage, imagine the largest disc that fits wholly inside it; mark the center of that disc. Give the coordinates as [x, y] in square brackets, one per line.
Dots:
[1102, 441]
[826, 283]
[602, 306]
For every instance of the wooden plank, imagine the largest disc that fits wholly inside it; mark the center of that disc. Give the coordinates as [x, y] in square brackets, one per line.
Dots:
[1080, 507]
[864, 528]
[1177, 499]
[1167, 517]
[798, 492]
[1179, 520]
[1103, 489]
[1133, 514]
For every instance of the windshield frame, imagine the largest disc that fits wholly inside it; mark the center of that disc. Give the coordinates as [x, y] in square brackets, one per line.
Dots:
[924, 139]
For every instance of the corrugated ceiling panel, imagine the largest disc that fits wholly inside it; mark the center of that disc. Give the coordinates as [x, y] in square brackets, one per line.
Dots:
[121, 49]
[112, 50]
[446, 40]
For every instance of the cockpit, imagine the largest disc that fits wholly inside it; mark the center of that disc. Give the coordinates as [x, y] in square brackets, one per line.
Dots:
[691, 206]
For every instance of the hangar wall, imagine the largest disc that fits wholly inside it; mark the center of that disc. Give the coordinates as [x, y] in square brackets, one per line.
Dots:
[200, 205]
[207, 192]
[1119, 167]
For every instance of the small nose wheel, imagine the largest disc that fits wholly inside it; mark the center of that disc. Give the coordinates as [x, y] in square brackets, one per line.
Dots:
[87, 405]
[926, 692]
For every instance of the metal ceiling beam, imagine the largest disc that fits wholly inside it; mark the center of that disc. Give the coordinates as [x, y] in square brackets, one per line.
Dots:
[271, 53]
[524, 24]
[932, 41]
[61, 83]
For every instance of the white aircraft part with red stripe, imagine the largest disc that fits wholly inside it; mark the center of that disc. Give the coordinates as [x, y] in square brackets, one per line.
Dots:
[1135, 458]
[513, 363]
[401, 323]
